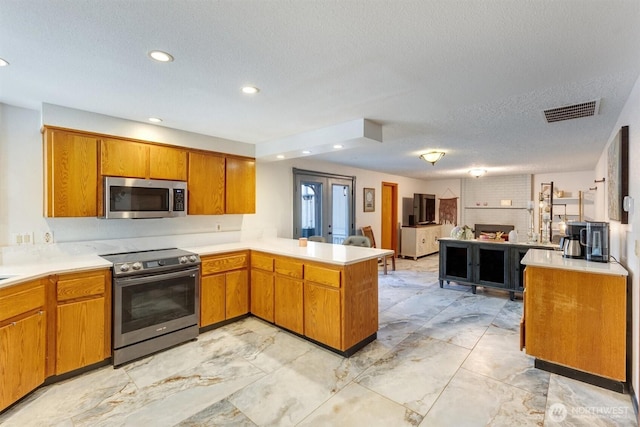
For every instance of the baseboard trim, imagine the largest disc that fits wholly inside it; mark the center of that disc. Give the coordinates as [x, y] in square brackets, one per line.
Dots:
[610, 384]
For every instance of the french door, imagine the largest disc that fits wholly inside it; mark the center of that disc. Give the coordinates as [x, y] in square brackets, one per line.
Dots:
[323, 205]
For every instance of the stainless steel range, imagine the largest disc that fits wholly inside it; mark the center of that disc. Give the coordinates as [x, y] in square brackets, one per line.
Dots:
[156, 301]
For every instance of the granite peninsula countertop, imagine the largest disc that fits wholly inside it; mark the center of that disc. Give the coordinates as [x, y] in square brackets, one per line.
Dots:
[554, 259]
[12, 274]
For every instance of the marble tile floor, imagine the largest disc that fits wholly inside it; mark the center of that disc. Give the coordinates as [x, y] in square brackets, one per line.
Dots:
[443, 357]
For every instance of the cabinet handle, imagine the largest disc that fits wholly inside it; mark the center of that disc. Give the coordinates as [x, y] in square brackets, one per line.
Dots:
[13, 323]
[41, 312]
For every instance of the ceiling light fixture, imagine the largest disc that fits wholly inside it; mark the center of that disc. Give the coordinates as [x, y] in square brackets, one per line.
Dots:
[250, 90]
[337, 146]
[3, 63]
[432, 156]
[477, 172]
[155, 120]
[306, 152]
[160, 56]
[280, 156]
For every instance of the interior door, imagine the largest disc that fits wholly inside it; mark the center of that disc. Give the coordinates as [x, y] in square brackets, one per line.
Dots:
[389, 216]
[323, 205]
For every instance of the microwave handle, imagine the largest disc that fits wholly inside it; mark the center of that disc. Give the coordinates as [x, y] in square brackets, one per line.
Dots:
[130, 281]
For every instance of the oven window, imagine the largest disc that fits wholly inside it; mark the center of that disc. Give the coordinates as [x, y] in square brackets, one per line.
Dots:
[157, 302]
[142, 199]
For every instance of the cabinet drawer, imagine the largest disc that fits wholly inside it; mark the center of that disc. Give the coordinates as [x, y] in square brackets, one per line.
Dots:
[226, 263]
[261, 262]
[80, 287]
[21, 302]
[322, 275]
[290, 268]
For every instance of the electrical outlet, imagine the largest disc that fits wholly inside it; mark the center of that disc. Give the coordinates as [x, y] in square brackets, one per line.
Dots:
[637, 248]
[47, 237]
[16, 238]
[27, 238]
[218, 227]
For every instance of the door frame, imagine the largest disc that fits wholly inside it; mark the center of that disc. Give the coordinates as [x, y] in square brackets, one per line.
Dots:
[328, 176]
[389, 216]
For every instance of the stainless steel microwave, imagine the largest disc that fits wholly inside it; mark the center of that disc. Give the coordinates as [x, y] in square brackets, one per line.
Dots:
[144, 198]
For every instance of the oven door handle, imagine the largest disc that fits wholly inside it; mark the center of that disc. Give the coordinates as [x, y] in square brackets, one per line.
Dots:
[129, 281]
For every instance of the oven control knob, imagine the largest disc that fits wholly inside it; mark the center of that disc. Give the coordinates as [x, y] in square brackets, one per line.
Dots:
[183, 260]
[124, 267]
[137, 265]
[193, 258]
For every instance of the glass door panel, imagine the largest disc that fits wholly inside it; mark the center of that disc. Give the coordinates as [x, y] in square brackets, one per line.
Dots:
[323, 206]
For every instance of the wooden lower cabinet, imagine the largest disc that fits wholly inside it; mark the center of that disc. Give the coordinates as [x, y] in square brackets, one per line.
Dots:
[322, 312]
[288, 294]
[224, 288]
[23, 327]
[80, 335]
[82, 319]
[576, 319]
[262, 295]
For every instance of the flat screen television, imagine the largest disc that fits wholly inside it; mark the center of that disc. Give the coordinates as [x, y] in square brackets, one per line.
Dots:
[424, 208]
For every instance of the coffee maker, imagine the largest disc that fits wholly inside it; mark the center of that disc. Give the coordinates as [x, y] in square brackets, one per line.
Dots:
[570, 243]
[595, 238]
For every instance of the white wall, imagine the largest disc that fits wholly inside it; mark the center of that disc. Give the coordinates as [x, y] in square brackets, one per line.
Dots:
[275, 192]
[625, 238]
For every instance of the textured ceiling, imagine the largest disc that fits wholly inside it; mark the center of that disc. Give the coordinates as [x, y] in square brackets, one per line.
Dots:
[468, 77]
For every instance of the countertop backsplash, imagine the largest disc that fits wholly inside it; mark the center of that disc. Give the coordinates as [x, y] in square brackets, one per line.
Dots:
[16, 255]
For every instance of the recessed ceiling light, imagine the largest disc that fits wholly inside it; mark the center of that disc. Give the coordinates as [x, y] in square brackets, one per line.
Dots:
[337, 146]
[280, 156]
[306, 152]
[155, 120]
[250, 90]
[3, 63]
[160, 56]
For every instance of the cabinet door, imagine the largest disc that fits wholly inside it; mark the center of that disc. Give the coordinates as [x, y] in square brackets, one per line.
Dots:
[432, 236]
[206, 182]
[262, 294]
[167, 163]
[517, 269]
[422, 245]
[491, 265]
[212, 299]
[237, 293]
[22, 358]
[124, 158]
[456, 261]
[240, 191]
[289, 303]
[80, 334]
[322, 314]
[71, 174]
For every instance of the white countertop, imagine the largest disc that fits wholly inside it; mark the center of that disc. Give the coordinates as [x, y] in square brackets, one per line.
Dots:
[554, 259]
[321, 252]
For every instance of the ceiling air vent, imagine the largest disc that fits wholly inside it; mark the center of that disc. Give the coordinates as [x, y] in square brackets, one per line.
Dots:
[575, 111]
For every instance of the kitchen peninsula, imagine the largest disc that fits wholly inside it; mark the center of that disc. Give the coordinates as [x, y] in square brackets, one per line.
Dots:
[575, 318]
[334, 289]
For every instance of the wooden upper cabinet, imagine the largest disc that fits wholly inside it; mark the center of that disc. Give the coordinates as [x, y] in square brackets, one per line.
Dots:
[124, 158]
[206, 184]
[241, 186]
[71, 179]
[167, 163]
[132, 159]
